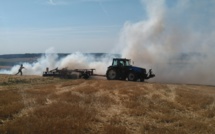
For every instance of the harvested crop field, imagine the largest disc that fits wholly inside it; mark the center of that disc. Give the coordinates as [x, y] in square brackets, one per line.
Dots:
[33, 104]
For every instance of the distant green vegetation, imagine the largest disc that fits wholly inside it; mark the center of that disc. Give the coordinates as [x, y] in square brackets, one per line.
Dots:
[14, 59]
[12, 56]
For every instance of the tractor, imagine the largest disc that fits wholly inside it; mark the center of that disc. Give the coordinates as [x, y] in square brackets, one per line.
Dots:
[121, 69]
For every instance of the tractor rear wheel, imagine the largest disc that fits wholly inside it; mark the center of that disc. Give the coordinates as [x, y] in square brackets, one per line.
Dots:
[112, 74]
[132, 76]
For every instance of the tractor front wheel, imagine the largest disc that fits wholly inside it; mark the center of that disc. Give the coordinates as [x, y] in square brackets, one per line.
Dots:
[112, 74]
[132, 76]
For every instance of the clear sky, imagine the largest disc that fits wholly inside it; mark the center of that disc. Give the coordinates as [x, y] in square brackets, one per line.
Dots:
[32, 26]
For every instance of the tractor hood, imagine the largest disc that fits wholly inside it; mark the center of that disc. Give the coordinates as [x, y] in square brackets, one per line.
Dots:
[138, 69]
[143, 72]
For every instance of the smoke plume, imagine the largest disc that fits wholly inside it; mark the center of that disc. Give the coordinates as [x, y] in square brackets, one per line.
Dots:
[73, 61]
[176, 41]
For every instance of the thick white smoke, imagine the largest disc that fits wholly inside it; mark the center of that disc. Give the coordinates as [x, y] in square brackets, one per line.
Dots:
[80, 61]
[36, 68]
[176, 42]
[51, 60]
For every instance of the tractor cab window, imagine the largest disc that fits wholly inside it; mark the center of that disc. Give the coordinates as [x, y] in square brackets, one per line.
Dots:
[121, 63]
[114, 63]
[127, 63]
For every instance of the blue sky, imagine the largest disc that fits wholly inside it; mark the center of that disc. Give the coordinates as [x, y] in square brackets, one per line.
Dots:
[32, 26]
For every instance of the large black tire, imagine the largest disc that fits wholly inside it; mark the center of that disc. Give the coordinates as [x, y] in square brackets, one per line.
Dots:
[112, 74]
[132, 76]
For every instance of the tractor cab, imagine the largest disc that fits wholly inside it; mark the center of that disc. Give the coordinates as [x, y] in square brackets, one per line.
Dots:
[121, 62]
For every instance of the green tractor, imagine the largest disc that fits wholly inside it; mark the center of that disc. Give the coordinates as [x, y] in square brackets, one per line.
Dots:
[121, 69]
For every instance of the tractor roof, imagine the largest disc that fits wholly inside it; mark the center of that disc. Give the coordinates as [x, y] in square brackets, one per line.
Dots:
[120, 59]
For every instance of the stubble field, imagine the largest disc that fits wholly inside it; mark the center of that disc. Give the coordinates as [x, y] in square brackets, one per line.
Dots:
[33, 104]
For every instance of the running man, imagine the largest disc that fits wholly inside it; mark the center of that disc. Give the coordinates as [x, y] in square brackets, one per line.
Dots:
[20, 70]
